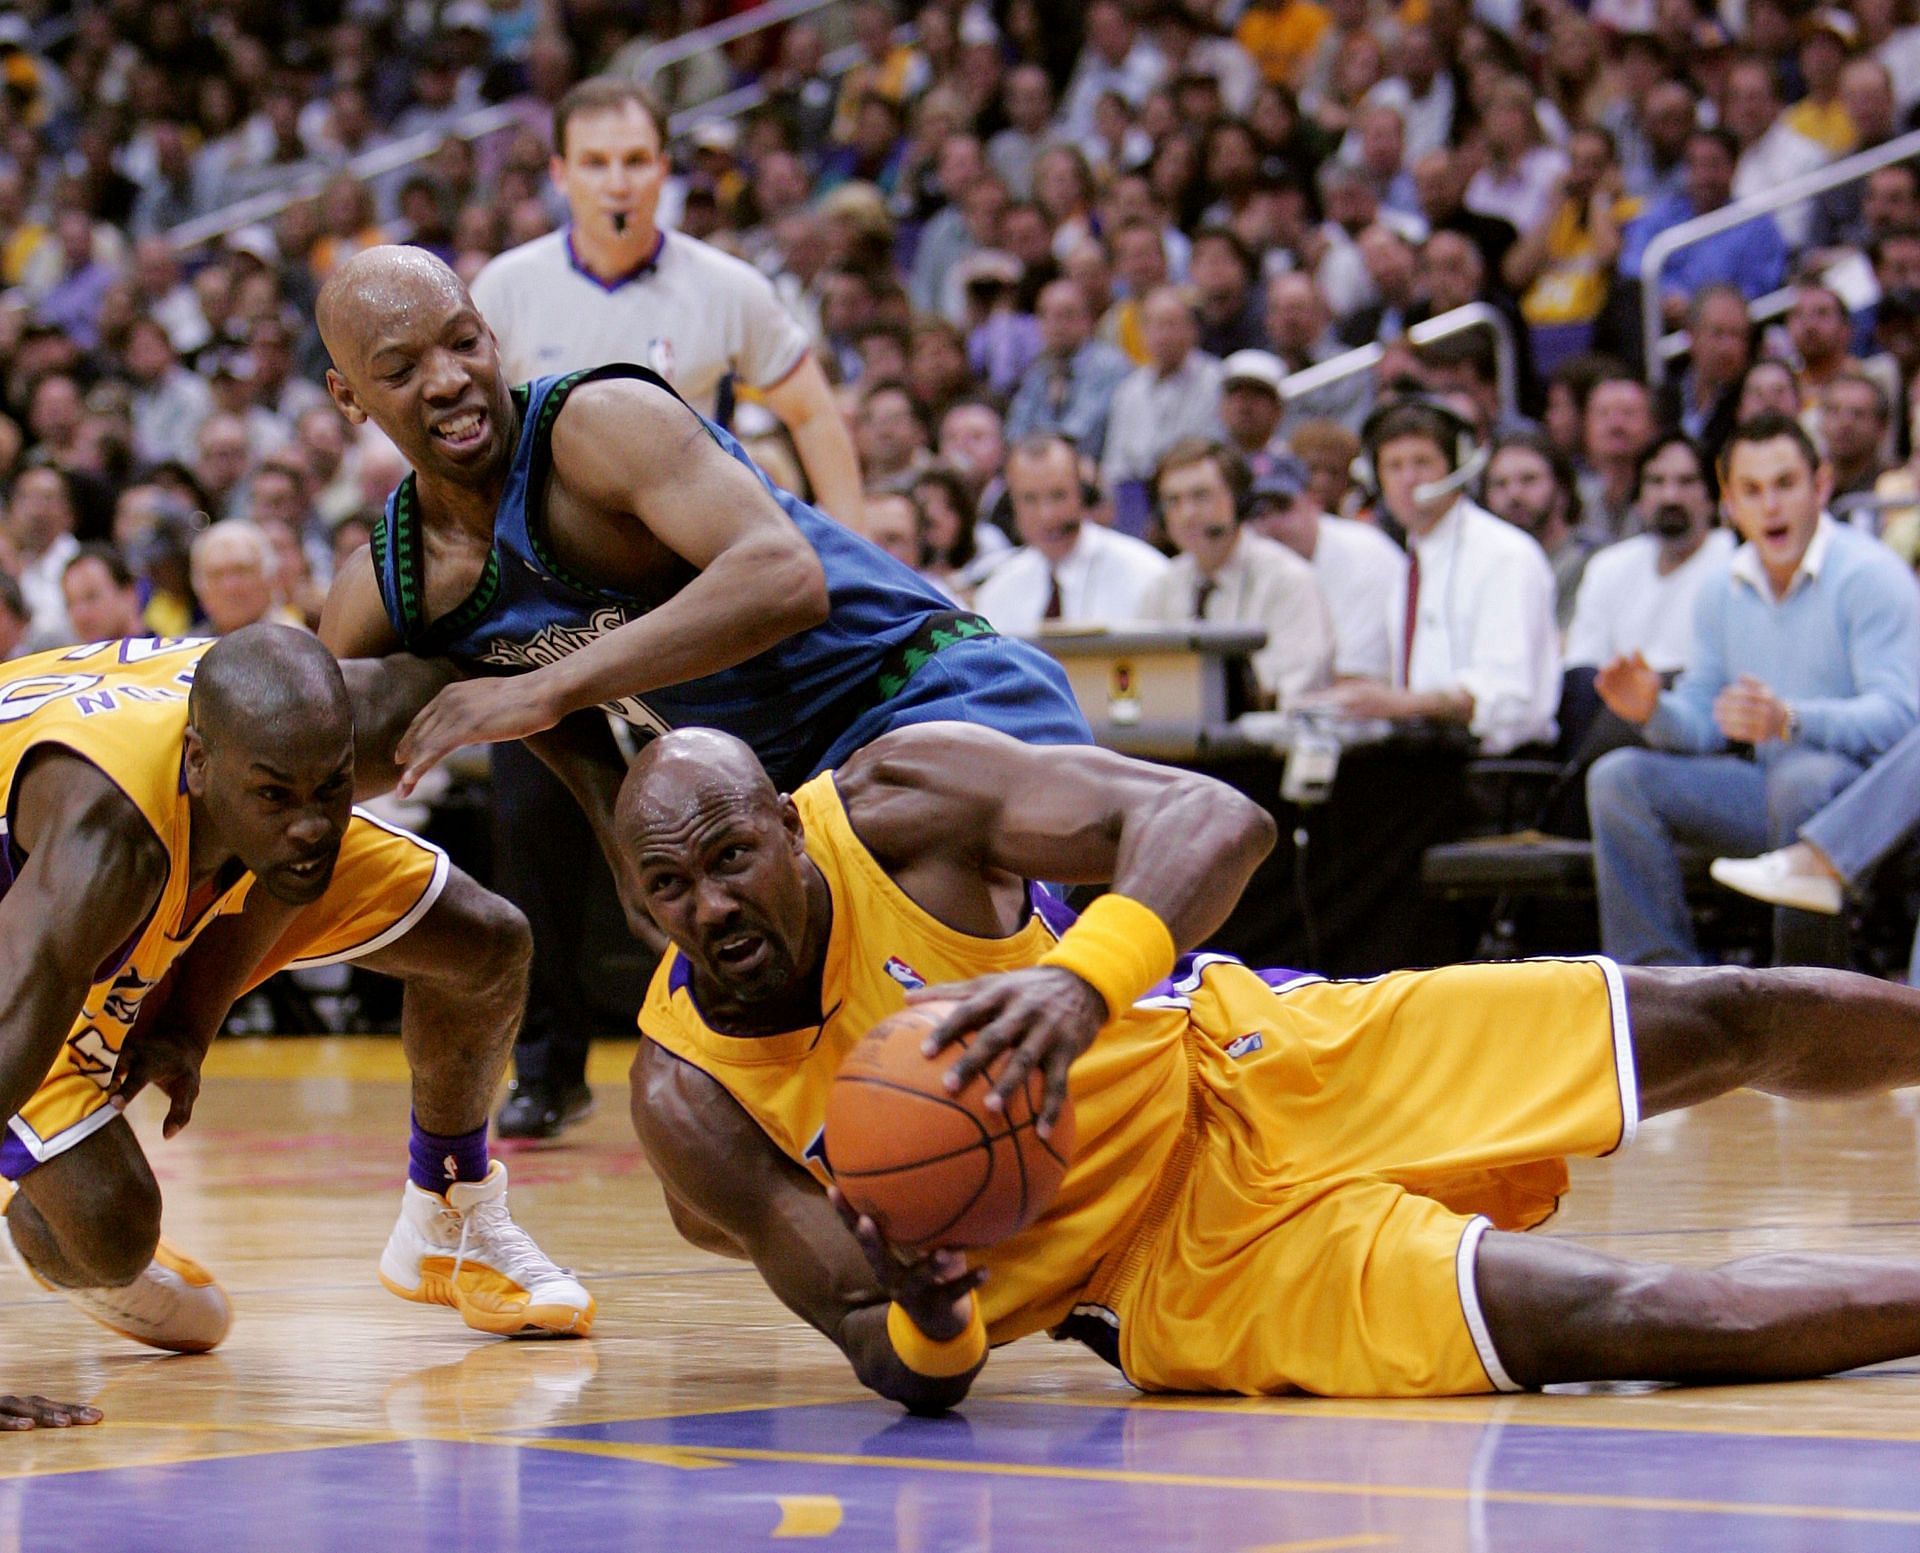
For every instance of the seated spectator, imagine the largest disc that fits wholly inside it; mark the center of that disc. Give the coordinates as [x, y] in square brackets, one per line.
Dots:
[1636, 597]
[222, 457]
[1440, 181]
[1806, 651]
[1520, 172]
[973, 441]
[1069, 388]
[891, 435]
[1140, 265]
[1751, 256]
[1393, 266]
[1069, 568]
[1465, 365]
[1251, 406]
[957, 550]
[892, 522]
[40, 522]
[1855, 419]
[102, 599]
[1828, 37]
[1769, 386]
[1772, 151]
[1329, 451]
[1227, 573]
[1027, 99]
[170, 404]
[1223, 271]
[1562, 268]
[1471, 638]
[1175, 397]
[1118, 57]
[1700, 399]
[1300, 333]
[1361, 572]
[1822, 338]
[1531, 484]
[233, 577]
[1616, 429]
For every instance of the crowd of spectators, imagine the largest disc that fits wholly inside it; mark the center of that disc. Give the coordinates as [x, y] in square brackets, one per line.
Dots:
[1059, 264]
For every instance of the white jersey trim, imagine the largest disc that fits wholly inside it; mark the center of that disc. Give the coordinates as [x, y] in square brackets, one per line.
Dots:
[1464, 1276]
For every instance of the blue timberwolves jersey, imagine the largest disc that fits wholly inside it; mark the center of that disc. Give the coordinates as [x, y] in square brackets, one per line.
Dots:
[790, 703]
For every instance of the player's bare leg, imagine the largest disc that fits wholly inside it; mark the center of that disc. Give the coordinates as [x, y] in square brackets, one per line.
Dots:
[1561, 1312]
[465, 964]
[86, 1224]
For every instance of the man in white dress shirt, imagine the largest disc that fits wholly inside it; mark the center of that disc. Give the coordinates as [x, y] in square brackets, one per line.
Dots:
[1362, 573]
[1228, 574]
[612, 286]
[1471, 635]
[1637, 596]
[1069, 568]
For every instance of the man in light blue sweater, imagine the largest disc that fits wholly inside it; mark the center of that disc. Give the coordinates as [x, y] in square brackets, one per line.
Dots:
[1806, 652]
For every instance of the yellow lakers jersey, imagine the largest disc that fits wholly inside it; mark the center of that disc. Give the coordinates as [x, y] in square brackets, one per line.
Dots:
[122, 706]
[1133, 1092]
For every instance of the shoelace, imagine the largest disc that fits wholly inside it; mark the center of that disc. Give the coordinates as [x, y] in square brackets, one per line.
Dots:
[507, 1247]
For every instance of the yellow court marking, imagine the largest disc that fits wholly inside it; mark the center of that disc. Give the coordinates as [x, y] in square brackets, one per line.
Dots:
[1328, 1544]
[808, 1515]
[1013, 1469]
[1497, 1412]
[685, 1458]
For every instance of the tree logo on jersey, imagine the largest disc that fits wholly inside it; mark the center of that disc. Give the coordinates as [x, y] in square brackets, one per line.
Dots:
[963, 628]
[552, 643]
[123, 999]
[23, 697]
[904, 973]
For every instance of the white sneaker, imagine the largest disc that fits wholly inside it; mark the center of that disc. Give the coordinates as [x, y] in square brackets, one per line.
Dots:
[1773, 877]
[464, 1250]
[176, 1304]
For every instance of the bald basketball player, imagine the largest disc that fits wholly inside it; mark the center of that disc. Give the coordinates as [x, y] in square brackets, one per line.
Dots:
[174, 806]
[1279, 1182]
[589, 541]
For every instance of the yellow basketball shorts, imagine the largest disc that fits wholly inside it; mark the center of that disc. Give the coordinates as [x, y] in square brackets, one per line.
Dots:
[1354, 1142]
[385, 881]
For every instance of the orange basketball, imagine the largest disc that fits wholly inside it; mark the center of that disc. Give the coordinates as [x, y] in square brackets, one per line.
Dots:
[930, 1168]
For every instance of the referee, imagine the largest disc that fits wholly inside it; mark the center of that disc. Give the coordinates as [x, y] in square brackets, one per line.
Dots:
[612, 286]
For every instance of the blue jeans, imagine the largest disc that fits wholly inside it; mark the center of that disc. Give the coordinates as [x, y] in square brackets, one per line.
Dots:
[1872, 818]
[1646, 803]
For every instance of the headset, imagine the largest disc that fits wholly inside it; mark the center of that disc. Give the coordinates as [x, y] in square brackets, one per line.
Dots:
[1469, 455]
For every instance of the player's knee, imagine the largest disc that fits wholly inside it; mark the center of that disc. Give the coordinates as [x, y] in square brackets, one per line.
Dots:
[1614, 784]
[110, 1232]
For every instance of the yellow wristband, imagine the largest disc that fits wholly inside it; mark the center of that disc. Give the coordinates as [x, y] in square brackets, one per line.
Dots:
[924, 1356]
[1120, 947]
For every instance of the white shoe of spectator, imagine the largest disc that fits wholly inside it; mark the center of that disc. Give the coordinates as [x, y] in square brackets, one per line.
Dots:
[1794, 876]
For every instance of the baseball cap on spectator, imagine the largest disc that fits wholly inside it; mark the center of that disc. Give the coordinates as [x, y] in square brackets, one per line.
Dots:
[256, 242]
[1831, 19]
[465, 16]
[714, 135]
[1284, 479]
[1253, 366]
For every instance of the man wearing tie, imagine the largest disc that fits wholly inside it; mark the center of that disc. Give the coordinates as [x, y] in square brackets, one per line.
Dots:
[1472, 636]
[1228, 574]
[1070, 568]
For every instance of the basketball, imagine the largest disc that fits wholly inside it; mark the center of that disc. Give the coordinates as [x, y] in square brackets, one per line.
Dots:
[931, 1168]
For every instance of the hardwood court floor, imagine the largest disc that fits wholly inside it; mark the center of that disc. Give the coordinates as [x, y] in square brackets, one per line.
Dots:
[702, 1415]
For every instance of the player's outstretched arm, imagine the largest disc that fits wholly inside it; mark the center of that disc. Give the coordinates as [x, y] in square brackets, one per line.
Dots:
[725, 1180]
[625, 446]
[951, 809]
[93, 874]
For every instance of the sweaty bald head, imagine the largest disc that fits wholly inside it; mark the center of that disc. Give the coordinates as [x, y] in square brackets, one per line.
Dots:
[389, 288]
[267, 686]
[686, 774]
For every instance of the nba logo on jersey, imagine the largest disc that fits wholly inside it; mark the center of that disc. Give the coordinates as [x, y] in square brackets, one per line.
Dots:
[1246, 1046]
[660, 355]
[904, 973]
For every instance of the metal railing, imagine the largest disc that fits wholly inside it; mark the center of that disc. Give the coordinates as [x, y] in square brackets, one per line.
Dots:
[377, 163]
[1363, 358]
[717, 34]
[1663, 246]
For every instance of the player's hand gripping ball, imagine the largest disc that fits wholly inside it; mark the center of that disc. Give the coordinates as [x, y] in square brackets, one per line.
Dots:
[930, 1168]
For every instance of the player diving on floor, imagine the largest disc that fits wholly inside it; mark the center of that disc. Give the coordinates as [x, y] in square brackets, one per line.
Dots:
[179, 826]
[1280, 1182]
